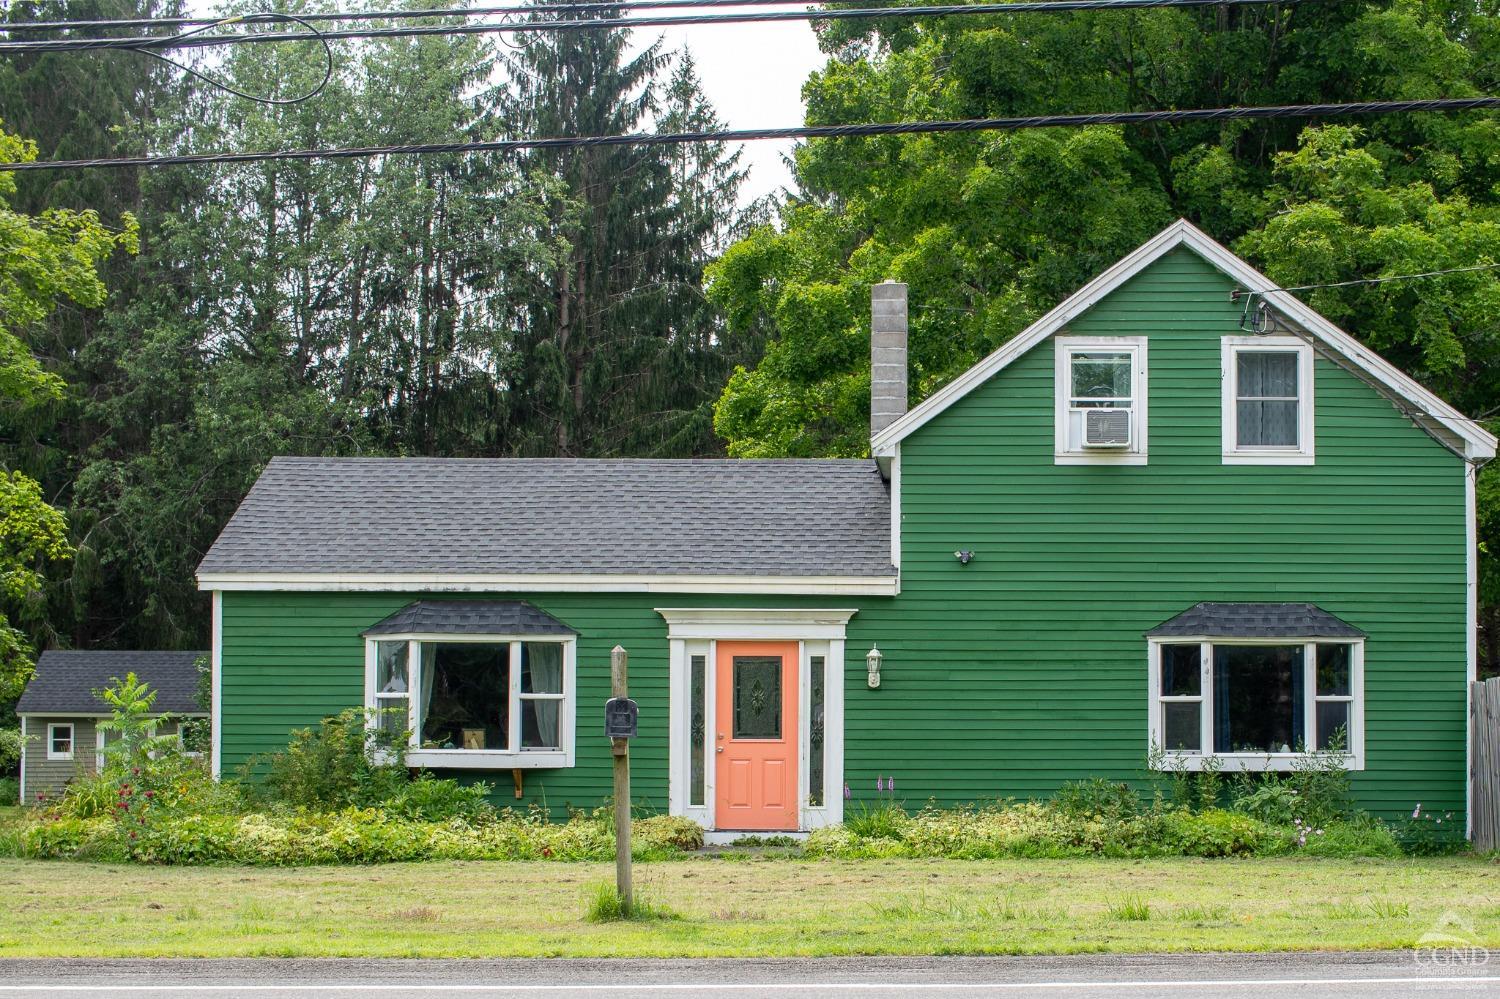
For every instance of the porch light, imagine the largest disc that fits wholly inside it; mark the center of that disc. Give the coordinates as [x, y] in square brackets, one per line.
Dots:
[873, 659]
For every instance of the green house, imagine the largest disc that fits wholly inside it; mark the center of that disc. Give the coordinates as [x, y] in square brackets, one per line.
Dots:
[1181, 515]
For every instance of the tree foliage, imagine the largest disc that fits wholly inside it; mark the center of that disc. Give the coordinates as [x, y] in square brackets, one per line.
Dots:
[991, 230]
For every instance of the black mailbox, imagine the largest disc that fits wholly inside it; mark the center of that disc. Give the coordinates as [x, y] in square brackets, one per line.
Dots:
[620, 718]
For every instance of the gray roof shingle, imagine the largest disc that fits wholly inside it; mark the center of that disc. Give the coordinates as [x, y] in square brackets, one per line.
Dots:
[470, 617]
[1251, 620]
[798, 517]
[65, 681]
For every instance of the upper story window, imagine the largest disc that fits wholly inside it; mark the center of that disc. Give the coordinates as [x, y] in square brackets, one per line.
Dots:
[1101, 400]
[1268, 401]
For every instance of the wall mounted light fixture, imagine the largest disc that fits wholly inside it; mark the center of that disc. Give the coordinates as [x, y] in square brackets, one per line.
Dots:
[964, 556]
[873, 659]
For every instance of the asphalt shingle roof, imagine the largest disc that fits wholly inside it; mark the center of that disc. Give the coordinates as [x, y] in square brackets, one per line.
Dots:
[1251, 620]
[66, 681]
[801, 517]
[470, 617]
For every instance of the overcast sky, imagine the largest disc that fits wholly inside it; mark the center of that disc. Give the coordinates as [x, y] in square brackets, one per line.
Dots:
[753, 75]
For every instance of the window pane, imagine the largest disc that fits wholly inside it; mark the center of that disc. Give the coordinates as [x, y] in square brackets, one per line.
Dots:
[1101, 375]
[1182, 725]
[539, 724]
[1181, 670]
[465, 695]
[1257, 698]
[1333, 670]
[1267, 423]
[817, 666]
[62, 739]
[757, 697]
[1267, 374]
[698, 725]
[1333, 725]
[392, 717]
[541, 668]
[390, 667]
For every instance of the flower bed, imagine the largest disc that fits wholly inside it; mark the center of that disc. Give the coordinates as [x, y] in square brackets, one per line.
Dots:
[351, 836]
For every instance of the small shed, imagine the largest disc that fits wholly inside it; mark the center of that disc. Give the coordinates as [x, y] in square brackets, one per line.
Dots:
[60, 710]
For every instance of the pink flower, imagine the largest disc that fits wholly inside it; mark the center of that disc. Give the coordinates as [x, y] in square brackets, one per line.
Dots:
[1416, 813]
[847, 793]
[880, 783]
[890, 785]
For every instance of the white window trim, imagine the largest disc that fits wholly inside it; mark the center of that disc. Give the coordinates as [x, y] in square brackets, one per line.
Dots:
[25, 739]
[697, 630]
[512, 758]
[1067, 346]
[1233, 762]
[52, 728]
[1303, 453]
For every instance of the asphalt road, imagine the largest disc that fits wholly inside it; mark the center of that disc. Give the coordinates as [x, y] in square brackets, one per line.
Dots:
[1200, 976]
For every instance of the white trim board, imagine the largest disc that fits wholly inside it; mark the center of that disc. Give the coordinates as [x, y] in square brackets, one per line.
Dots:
[1478, 443]
[435, 582]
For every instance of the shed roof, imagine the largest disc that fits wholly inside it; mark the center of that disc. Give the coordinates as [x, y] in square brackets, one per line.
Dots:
[65, 681]
[1251, 620]
[544, 516]
[470, 617]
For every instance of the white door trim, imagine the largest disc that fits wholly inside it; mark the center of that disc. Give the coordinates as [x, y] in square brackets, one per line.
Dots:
[697, 631]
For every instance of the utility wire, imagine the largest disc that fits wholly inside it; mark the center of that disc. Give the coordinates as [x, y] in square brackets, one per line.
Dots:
[1452, 104]
[590, 24]
[146, 47]
[1393, 277]
[396, 15]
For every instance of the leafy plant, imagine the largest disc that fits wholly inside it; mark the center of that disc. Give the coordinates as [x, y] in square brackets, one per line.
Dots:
[10, 748]
[604, 905]
[1321, 781]
[882, 819]
[347, 760]
[1096, 796]
[431, 799]
[1269, 800]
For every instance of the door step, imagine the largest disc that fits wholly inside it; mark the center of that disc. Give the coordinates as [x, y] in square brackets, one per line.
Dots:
[729, 837]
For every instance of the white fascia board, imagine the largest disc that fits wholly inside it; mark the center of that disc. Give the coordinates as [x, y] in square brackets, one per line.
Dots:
[1478, 443]
[549, 583]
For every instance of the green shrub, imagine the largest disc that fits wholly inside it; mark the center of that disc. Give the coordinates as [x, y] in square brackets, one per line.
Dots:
[1096, 796]
[603, 904]
[10, 791]
[433, 800]
[1267, 800]
[335, 765]
[10, 748]
[1217, 833]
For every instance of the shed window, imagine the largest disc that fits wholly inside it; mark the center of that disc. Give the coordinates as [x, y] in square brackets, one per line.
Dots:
[60, 741]
[496, 702]
[1268, 415]
[1101, 376]
[1260, 702]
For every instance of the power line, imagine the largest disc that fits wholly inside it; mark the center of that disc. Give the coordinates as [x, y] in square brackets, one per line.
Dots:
[590, 24]
[1451, 104]
[145, 48]
[1394, 277]
[396, 15]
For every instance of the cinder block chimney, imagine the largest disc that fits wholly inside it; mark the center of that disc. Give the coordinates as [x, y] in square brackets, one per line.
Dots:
[887, 354]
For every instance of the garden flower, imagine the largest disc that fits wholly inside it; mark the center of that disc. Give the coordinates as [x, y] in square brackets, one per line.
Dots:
[891, 784]
[1416, 813]
[847, 793]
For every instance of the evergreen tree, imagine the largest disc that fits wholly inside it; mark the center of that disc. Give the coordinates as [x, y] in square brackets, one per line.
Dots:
[617, 352]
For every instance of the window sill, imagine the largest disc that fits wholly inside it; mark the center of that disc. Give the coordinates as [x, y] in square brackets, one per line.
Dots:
[1251, 762]
[486, 759]
[1267, 458]
[1098, 458]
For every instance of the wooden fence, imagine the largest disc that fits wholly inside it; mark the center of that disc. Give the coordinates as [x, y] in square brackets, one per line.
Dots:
[1484, 764]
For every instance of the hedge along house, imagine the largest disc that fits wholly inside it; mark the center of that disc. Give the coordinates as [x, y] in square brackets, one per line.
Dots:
[1162, 516]
[60, 710]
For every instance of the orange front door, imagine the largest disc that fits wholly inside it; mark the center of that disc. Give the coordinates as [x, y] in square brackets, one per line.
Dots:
[755, 742]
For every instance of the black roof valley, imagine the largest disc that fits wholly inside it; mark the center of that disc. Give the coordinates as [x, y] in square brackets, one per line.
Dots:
[527, 516]
[65, 681]
[1249, 620]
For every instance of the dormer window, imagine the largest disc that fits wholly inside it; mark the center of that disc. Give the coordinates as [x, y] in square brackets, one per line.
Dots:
[1101, 400]
[1268, 401]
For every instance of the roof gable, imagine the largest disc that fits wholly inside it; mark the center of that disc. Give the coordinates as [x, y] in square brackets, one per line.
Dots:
[1385, 377]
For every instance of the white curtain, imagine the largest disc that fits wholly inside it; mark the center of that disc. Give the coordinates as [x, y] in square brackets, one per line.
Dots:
[428, 656]
[545, 666]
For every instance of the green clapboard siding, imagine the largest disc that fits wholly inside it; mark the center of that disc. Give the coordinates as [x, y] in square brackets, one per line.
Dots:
[1027, 667]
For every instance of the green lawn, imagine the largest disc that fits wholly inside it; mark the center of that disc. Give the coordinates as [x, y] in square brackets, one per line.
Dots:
[743, 907]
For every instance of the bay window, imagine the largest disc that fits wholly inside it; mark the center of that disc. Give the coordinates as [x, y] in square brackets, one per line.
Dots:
[1256, 703]
[486, 701]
